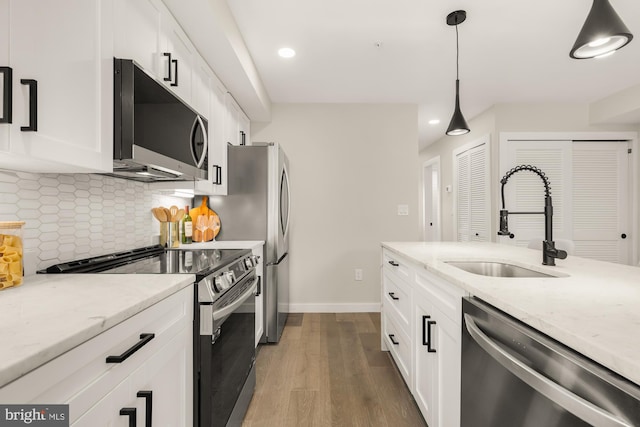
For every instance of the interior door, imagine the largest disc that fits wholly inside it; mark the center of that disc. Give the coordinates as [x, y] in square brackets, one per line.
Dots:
[600, 200]
[590, 192]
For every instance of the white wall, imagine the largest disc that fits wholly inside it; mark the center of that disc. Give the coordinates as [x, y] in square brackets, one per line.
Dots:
[350, 166]
[510, 118]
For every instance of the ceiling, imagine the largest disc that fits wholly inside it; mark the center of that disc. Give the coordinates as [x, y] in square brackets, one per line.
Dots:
[402, 51]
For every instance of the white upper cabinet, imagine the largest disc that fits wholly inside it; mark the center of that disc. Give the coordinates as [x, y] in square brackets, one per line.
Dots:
[179, 56]
[149, 35]
[237, 123]
[217, 182]
[201, 91]
[138, 34]
[5, 72]
[62, 103]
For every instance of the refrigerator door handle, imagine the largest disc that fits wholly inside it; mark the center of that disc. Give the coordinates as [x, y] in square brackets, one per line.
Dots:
[269, 264]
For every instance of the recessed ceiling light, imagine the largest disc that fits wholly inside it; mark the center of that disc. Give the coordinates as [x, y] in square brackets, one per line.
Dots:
[434, 121]
[287, 52]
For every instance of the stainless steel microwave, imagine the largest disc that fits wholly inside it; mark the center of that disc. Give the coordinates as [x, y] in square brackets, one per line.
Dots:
[157, 137]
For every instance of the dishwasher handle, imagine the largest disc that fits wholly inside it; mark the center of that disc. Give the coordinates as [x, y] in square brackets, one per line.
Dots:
[573, 403]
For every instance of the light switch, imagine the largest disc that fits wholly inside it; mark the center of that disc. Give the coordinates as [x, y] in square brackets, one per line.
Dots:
[403, 210]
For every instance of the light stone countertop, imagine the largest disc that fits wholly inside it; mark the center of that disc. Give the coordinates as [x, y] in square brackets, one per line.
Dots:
[594, 309]
[224, 244]
[51, 314]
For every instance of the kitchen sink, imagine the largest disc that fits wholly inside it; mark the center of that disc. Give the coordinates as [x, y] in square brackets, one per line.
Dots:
[496, 269]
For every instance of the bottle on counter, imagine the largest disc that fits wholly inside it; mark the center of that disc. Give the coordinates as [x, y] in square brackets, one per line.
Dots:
[187, 227]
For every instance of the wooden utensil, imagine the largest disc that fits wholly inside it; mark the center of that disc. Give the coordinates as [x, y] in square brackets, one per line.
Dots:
[174, 211]
[160, 214]
[154, 211]
[179, 215]
[167, 214]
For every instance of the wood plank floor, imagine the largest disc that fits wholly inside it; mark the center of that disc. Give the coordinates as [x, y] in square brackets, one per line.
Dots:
[328, 370]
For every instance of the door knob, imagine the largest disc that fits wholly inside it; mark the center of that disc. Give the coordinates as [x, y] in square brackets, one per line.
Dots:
[623, 235]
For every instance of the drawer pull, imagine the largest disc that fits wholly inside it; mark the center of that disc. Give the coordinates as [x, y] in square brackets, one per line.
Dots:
[395, 264]
[169, 61]
[144, 339]
[393, 296]
[148, 405]
[426, 327]
[7, 94]
[391, 337]
[131, 413]
[33, 105]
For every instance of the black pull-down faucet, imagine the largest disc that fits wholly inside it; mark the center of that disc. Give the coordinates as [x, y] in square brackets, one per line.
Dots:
[549, 251]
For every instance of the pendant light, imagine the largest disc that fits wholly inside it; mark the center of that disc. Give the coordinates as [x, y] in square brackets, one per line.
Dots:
[458, 125]
[602, 33]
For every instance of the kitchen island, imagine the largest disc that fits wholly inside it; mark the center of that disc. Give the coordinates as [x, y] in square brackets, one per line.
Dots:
[591, 306]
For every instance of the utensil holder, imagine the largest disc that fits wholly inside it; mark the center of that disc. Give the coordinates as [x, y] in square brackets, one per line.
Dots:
[169, 235]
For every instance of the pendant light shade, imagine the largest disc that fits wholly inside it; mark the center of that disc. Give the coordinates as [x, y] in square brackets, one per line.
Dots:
[458, 125]
[602, 33]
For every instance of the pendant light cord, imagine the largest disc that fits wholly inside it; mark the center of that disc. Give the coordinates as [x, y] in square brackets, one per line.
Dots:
[457, 52]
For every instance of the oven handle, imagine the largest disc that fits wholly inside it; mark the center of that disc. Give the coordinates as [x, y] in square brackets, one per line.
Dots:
[225, 311]
[573, 403]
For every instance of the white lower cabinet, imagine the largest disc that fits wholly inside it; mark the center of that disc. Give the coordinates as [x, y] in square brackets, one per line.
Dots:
[158, 371]
[428, 351]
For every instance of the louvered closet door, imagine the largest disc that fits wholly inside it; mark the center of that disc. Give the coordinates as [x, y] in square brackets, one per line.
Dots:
[600, 199]
[463, 197]
[472, 195]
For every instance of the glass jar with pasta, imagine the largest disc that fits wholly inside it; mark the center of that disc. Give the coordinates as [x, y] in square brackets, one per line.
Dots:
[11, 250]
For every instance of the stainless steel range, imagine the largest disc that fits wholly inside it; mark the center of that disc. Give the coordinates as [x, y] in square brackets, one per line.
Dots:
[224, 320]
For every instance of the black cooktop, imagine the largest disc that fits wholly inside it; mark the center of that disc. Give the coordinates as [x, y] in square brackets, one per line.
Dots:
[153, 260]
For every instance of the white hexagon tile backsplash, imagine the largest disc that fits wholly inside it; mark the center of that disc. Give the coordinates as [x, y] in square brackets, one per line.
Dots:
[74, 216]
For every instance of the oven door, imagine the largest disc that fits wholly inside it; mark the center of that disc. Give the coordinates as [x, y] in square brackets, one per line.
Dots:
[227, 357]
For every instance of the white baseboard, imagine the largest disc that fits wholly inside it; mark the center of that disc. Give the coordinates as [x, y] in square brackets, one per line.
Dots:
[368, 307]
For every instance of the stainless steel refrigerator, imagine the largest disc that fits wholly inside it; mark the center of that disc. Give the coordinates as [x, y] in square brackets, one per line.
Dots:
[257, 208]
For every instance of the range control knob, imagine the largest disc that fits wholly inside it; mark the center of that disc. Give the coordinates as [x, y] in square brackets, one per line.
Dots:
[220, 283]
[230, 277]
[248, 262]
[255, 259]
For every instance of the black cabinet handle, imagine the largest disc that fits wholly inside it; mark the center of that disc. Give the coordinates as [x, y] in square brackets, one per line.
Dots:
[259, 287]
[7, 94]
[391, 337]
[623, 235]
[395, 264]
[131, 413]
[218, 180]
[175, 80]
[242, 138]
[144, 339]
[168, 55]
[148, 405]
[33, 105]
[393, 296]
[427, 341]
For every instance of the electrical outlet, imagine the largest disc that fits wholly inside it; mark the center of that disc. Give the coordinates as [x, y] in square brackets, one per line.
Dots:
[358, 274]
[403, 210]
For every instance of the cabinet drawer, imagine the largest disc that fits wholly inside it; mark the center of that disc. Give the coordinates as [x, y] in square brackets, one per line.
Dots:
[398, 265]
[81, 377]
[399, 345]
[445, 296]
[397, 299]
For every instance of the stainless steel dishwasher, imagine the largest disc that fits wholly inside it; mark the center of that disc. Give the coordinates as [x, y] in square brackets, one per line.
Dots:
[512, 375]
